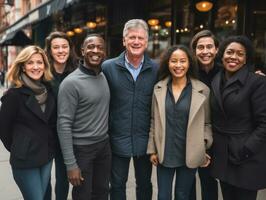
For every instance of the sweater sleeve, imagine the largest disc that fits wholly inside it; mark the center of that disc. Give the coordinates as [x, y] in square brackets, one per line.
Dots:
[67, 105]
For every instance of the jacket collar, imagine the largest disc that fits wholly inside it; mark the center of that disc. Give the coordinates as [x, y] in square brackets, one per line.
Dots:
[240, 76]
[195, 84]
[197, 98]
[32, 104]
[147, 63]
[232, 85]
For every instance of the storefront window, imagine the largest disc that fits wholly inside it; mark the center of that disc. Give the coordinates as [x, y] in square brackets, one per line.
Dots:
[260, 40]
[83, 19]
[225, 22]
[159, 21]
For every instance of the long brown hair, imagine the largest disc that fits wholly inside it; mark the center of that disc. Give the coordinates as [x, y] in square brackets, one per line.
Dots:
[72, 59]
[164, 62]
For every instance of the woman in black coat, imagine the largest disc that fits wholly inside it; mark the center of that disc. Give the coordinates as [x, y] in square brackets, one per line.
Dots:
[238, 106]
[28, 122]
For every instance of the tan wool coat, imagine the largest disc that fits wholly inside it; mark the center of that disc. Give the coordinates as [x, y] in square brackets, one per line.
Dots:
[199, 134]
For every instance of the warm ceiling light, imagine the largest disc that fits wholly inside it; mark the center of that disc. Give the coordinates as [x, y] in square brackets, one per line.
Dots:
[156, 27]
[204, 6]
[168, 24]
[91, 25]
[153, 22]
[70, 33]
[78, 30]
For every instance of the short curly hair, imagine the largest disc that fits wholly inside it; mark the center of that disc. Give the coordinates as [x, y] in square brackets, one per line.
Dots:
[245, 42]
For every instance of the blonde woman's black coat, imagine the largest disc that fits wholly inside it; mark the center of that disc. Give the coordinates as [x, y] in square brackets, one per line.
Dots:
[239, 129]
[26, 131]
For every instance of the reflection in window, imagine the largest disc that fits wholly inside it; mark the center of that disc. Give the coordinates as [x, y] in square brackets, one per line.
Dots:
[159, 20]
[259, 42]
[226, 18]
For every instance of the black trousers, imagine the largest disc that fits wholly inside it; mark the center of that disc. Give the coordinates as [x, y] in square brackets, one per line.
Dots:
[94, 162]
[231, 192]
[209, 186]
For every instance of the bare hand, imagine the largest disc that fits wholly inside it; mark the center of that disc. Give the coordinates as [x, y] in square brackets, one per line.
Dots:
[260, 73]
[207, 162]
[154, 159]
[75, 177]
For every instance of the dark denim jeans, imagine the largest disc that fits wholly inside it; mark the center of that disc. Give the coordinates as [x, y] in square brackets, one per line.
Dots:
[61, 182]
[183, 183]
[209, 185]
[33, 182]
[119, 176]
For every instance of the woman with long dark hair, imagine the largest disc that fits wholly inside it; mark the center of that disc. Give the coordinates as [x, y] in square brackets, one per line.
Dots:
[62, 58]
[180, 129]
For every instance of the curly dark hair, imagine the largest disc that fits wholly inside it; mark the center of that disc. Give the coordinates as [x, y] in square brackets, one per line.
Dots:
[71, 61]
[245, 42]
[164, 62]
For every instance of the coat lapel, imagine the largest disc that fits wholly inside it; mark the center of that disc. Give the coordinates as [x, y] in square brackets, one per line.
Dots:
[235, 82]
[230, 89]
[50, 106]
[160, 93]
[197, 99]
[34, 107]
[216, 85]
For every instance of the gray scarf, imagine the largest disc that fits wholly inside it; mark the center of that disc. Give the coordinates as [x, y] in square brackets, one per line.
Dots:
[38, 88]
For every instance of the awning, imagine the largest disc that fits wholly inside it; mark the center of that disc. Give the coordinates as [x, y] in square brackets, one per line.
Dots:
[51, 8]
[41, 12]
[18, 38]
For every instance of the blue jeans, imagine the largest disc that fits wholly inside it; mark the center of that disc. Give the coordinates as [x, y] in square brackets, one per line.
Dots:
[119, 176]
[61, 181]
[33, 182]
[183, 183]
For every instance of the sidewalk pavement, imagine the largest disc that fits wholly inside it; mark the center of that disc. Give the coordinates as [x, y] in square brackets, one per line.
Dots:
[10, 191]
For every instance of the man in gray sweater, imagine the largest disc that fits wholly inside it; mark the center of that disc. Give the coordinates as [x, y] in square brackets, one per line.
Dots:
[83, 110]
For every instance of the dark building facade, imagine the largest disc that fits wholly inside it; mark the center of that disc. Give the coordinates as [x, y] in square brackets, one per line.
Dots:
[170, 21]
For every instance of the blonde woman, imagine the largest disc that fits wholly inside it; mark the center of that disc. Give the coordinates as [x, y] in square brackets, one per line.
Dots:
[28, 122]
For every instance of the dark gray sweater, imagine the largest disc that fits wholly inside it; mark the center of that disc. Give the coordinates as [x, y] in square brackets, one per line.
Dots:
[83, 110]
